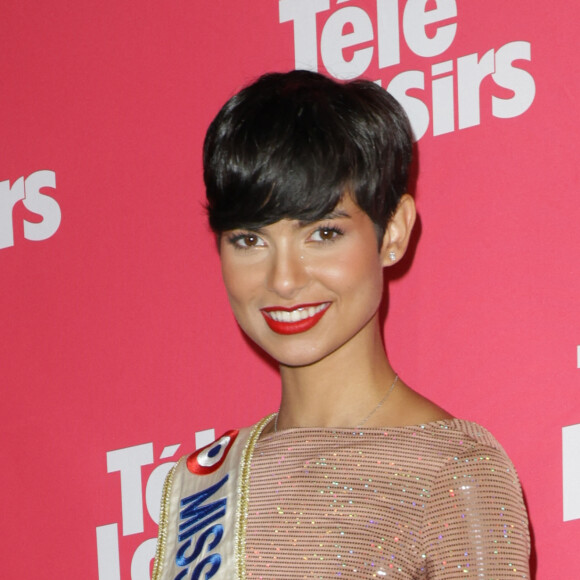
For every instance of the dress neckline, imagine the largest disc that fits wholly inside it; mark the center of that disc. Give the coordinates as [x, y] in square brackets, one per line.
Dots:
[357, 431]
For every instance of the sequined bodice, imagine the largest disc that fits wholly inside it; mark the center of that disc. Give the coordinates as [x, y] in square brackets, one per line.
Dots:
[436, 501]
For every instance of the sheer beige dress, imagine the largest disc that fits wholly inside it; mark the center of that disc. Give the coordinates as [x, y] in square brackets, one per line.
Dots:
[435, 501]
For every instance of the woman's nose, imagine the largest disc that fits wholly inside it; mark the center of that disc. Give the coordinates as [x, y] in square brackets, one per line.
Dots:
[287, 273]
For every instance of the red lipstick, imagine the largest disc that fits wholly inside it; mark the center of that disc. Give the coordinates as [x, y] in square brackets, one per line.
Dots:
[294, 320]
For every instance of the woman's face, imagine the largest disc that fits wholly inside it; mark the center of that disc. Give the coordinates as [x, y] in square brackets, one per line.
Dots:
[303, 290]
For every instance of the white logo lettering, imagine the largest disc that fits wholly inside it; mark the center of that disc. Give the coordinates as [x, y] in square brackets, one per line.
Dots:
[131, 464]
[334, 41]
[29, 192]
[571, 472]
[346, 38]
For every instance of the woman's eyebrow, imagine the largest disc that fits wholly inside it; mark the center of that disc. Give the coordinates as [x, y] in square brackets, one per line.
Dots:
[334, 214]
[251, 228]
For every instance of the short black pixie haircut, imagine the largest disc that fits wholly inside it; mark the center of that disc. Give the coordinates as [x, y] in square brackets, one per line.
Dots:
[291, 145]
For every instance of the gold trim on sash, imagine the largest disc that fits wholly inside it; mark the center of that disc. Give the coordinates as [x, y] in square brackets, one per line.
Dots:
[243, 497]
[163, 522]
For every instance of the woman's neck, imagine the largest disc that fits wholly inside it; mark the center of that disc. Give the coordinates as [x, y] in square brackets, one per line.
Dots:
[339, 390]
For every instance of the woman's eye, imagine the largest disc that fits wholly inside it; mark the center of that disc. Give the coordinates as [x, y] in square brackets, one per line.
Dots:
[249, 240]
[246, 241]
[326, 234]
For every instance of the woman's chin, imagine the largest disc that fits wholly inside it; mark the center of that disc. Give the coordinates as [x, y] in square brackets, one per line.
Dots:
[299, 357]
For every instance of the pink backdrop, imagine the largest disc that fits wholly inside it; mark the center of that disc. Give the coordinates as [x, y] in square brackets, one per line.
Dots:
[117, 343]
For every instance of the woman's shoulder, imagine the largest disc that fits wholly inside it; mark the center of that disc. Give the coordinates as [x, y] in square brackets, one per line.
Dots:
[459, 436]
[408, 407]
[412, 409]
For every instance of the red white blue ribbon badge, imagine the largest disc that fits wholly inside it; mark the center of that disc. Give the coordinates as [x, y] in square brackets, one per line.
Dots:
[209, 458]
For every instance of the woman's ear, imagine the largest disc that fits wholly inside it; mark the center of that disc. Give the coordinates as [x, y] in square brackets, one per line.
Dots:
[398, 231]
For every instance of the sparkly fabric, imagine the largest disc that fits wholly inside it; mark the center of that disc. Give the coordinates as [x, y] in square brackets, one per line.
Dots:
[435, 501]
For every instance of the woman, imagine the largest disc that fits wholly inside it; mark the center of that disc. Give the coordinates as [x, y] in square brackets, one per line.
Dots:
[356, 475]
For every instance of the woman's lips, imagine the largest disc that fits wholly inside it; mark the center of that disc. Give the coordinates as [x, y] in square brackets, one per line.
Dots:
[293, 320]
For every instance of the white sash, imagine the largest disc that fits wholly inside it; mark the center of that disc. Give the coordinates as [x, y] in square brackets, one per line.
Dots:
[203, 516]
